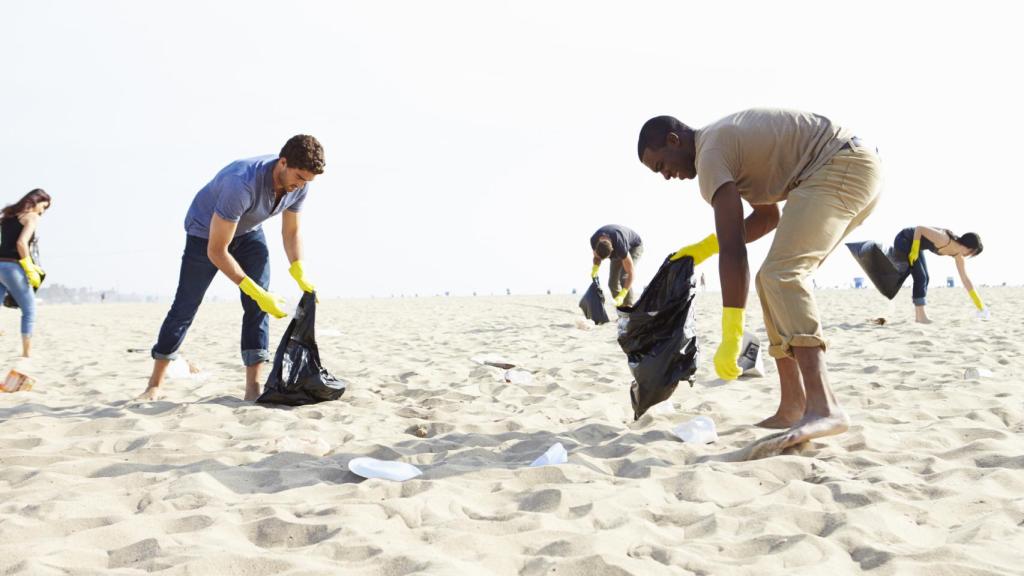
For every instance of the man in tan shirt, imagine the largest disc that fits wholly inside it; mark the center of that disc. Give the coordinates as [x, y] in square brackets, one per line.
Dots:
[830, 182]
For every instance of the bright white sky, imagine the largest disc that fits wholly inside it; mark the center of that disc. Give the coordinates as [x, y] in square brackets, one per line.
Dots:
[475, 146]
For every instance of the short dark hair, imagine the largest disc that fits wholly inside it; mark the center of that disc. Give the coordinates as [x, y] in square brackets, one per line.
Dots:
[304, 152]
[604, 248]
[972, 241]
[655, 131]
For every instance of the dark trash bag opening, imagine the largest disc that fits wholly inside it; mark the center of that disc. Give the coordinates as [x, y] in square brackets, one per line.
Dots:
[592, 304]
[657, 335]
[885, 269]
[297, 377]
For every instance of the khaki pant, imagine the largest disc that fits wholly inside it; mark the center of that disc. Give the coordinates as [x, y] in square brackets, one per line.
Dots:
[819, 213]
[617, 275]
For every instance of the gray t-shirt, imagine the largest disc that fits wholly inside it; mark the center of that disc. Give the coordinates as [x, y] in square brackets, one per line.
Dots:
[623, 240]
[242, 192]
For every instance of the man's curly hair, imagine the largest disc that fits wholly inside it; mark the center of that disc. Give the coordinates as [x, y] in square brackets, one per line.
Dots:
[304, 152]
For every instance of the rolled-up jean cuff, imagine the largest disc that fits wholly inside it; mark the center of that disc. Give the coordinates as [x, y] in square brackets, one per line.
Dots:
[785, 349]
[920, 301]
[256, 356]
[158, 356]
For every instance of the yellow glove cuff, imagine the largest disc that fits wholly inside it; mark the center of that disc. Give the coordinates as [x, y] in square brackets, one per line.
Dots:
[594, 270]
[31, 271]
[700, 251]
[976, 299]
[732, 322]
[915, 251]
[265, 300]
[729, 350]
[250, 288]
[299, 274]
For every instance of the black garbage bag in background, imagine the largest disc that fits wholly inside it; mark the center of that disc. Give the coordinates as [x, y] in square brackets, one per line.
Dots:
[657, 334]
[297, 377]
[592, 304]
[885, 270]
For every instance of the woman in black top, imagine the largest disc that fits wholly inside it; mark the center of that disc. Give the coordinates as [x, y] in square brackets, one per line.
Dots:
[19, 274]
[910, 244]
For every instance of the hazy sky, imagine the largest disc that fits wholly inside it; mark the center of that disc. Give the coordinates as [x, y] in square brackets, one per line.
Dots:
[476, 145]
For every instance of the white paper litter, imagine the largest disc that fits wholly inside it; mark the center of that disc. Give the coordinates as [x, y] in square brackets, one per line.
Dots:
[383, 469]
[555, 455]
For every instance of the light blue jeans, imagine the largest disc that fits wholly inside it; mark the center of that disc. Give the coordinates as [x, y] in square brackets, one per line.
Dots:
[13, 280]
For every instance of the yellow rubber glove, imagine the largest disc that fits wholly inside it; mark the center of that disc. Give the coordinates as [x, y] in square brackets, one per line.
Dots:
[300, 276]
[729, 350]
[267, 302]
[915, 251]
[621, 296]
[976, 299]
[593, 271]
[700, 251]
[31, 271]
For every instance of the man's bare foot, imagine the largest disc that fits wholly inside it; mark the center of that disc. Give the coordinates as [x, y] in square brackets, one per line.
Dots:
[151, 394]
[924, 320]
[808, 429]
[818, 426]
[781, 420]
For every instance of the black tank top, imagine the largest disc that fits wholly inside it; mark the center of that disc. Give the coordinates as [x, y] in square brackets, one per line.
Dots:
[10, 229]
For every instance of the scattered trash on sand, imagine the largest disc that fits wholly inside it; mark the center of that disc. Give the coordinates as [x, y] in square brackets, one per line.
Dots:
[554, 455]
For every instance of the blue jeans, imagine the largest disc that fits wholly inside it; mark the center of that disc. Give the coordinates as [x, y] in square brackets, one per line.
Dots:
[13, 280]
[919, 271]
[250, 250]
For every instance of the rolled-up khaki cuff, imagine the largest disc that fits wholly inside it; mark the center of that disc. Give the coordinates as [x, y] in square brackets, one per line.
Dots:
[784, 350]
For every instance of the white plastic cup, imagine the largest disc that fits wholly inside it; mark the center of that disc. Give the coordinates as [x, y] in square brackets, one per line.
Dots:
[699, 430]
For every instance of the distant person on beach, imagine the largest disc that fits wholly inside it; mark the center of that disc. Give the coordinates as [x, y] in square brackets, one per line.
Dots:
[223, 232]
[829, 180]
[909, 244]
[20, 275]
[623, 247]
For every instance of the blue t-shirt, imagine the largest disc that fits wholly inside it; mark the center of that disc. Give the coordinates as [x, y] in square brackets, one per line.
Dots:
[242, 192]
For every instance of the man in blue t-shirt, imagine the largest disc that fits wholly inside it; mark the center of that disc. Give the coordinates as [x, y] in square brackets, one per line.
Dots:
[223, 232]
[623, 247]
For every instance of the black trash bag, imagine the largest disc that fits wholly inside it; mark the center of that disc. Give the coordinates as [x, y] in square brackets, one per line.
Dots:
[658, 336]
[885, 270]
[297, 377]
[592, 304]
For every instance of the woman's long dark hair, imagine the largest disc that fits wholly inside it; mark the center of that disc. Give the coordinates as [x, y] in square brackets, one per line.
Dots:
[27, 202]
[969, 240]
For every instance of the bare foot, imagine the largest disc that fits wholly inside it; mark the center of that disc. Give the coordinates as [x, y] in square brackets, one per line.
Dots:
[780, 421]
[151, 394]
[924, 320]
[809, 428]
[816, 426]
[252, 392]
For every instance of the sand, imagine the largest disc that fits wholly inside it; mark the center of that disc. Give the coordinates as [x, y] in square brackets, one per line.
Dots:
[927, 481]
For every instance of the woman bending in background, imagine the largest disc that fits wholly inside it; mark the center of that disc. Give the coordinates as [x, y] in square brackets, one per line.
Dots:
[19, 274]
[911, 242]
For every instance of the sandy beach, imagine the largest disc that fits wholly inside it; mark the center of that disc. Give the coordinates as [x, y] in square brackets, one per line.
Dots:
[928, 480]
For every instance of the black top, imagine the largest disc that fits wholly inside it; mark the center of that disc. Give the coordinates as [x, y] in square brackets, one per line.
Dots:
[10, 229]
[623, 239]
[926, 244]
